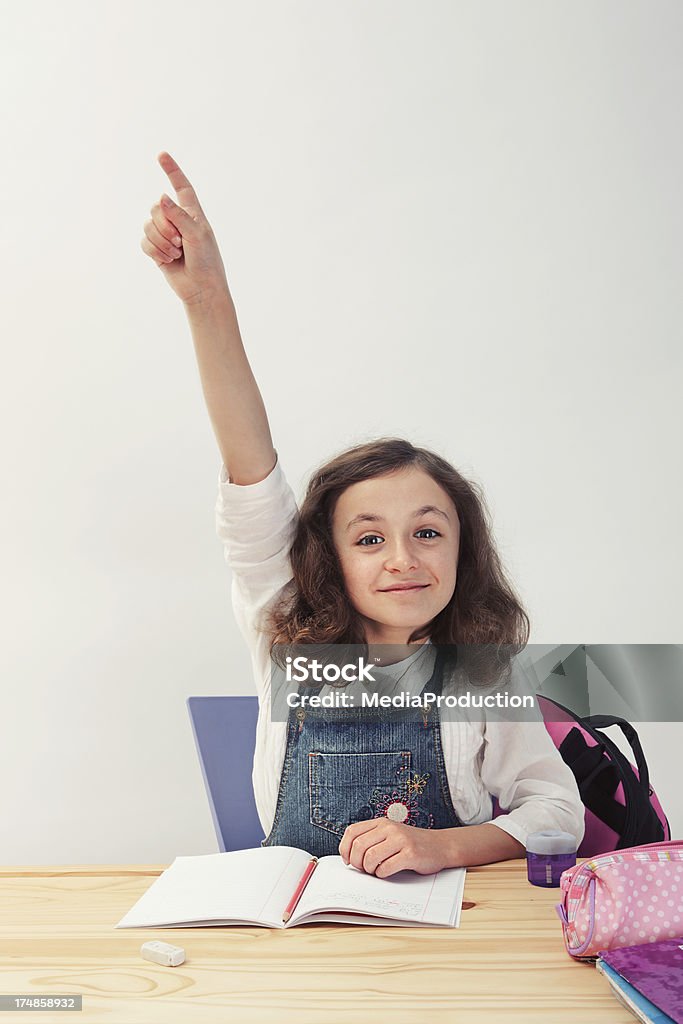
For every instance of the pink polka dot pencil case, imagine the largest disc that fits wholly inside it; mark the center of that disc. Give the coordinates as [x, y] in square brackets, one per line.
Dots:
[623, 898]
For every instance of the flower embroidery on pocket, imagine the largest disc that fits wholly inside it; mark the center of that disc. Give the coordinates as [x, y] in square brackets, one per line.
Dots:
[402, 804]
[416, 783]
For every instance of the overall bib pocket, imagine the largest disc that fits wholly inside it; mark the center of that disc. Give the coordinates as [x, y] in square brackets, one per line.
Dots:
[340, 786]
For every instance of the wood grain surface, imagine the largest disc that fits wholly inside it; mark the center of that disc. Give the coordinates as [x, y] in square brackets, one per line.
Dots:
[506, 961]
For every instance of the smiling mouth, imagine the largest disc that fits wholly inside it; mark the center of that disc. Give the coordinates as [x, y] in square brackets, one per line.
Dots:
[405, 590]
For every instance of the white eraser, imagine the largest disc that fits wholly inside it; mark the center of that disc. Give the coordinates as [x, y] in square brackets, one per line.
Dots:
[163, 953]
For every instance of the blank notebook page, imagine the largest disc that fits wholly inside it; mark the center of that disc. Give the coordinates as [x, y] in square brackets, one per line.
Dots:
[244, 885]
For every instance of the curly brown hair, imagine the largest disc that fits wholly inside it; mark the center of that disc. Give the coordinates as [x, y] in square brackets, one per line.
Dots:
[315, 609]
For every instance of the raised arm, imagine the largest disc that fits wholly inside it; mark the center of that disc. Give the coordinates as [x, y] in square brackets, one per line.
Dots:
[181, 242]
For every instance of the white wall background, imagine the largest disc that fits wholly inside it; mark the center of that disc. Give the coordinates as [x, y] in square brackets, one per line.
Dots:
[455, 221]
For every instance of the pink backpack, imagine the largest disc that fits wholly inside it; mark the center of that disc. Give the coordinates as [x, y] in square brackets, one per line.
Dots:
[622, 809]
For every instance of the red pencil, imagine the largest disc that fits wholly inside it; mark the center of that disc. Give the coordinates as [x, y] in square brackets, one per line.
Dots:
[291, 906]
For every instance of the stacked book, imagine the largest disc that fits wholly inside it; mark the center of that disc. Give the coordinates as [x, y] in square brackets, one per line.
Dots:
[647, 979]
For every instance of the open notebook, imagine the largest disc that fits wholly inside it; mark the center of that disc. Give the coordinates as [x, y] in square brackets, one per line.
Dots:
[258, 886]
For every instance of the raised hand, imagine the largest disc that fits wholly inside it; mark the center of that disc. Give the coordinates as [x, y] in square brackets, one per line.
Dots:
[179, 239]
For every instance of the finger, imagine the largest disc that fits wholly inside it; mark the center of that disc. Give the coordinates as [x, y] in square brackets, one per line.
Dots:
[157, 239]
[351, 832]
[397, 862]
[379, 853]
[362, 844]
[164, 225]
[187, 197]
[159, 257]
[179, 218]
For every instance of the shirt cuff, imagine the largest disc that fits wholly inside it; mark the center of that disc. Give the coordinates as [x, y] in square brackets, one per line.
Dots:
[507, 824]
[232, 493]
[520, 831]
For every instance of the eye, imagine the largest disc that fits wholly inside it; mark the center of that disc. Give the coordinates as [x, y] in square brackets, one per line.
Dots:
[369, 536]
[373, 536]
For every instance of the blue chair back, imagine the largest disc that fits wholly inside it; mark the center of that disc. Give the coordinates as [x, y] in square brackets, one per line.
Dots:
[225, 733]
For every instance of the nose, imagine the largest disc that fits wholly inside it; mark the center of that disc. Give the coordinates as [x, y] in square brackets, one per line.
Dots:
[400, 557]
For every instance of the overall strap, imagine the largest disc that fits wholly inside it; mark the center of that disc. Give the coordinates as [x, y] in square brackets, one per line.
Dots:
[435, 683]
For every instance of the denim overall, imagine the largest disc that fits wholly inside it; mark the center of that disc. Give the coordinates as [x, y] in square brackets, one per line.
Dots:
[344, 765]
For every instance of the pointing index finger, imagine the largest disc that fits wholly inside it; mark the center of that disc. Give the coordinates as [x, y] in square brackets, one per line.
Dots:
[187, 197]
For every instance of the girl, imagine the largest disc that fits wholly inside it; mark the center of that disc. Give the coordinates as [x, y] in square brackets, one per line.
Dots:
[391, 547]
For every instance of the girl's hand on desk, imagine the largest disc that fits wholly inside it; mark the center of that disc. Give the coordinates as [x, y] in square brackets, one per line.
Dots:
[382, 847]
[181, 242]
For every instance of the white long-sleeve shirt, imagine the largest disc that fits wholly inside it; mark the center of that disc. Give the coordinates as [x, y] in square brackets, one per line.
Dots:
[516, 762]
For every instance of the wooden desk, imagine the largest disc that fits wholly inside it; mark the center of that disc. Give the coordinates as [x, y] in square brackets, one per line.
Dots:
[506, 962]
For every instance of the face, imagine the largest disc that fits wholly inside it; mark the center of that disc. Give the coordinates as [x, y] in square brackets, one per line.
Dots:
[397, 537]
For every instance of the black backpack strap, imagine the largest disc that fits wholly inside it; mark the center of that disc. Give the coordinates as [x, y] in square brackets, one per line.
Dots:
[596, 777]
[583, 759]
[604, 722]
